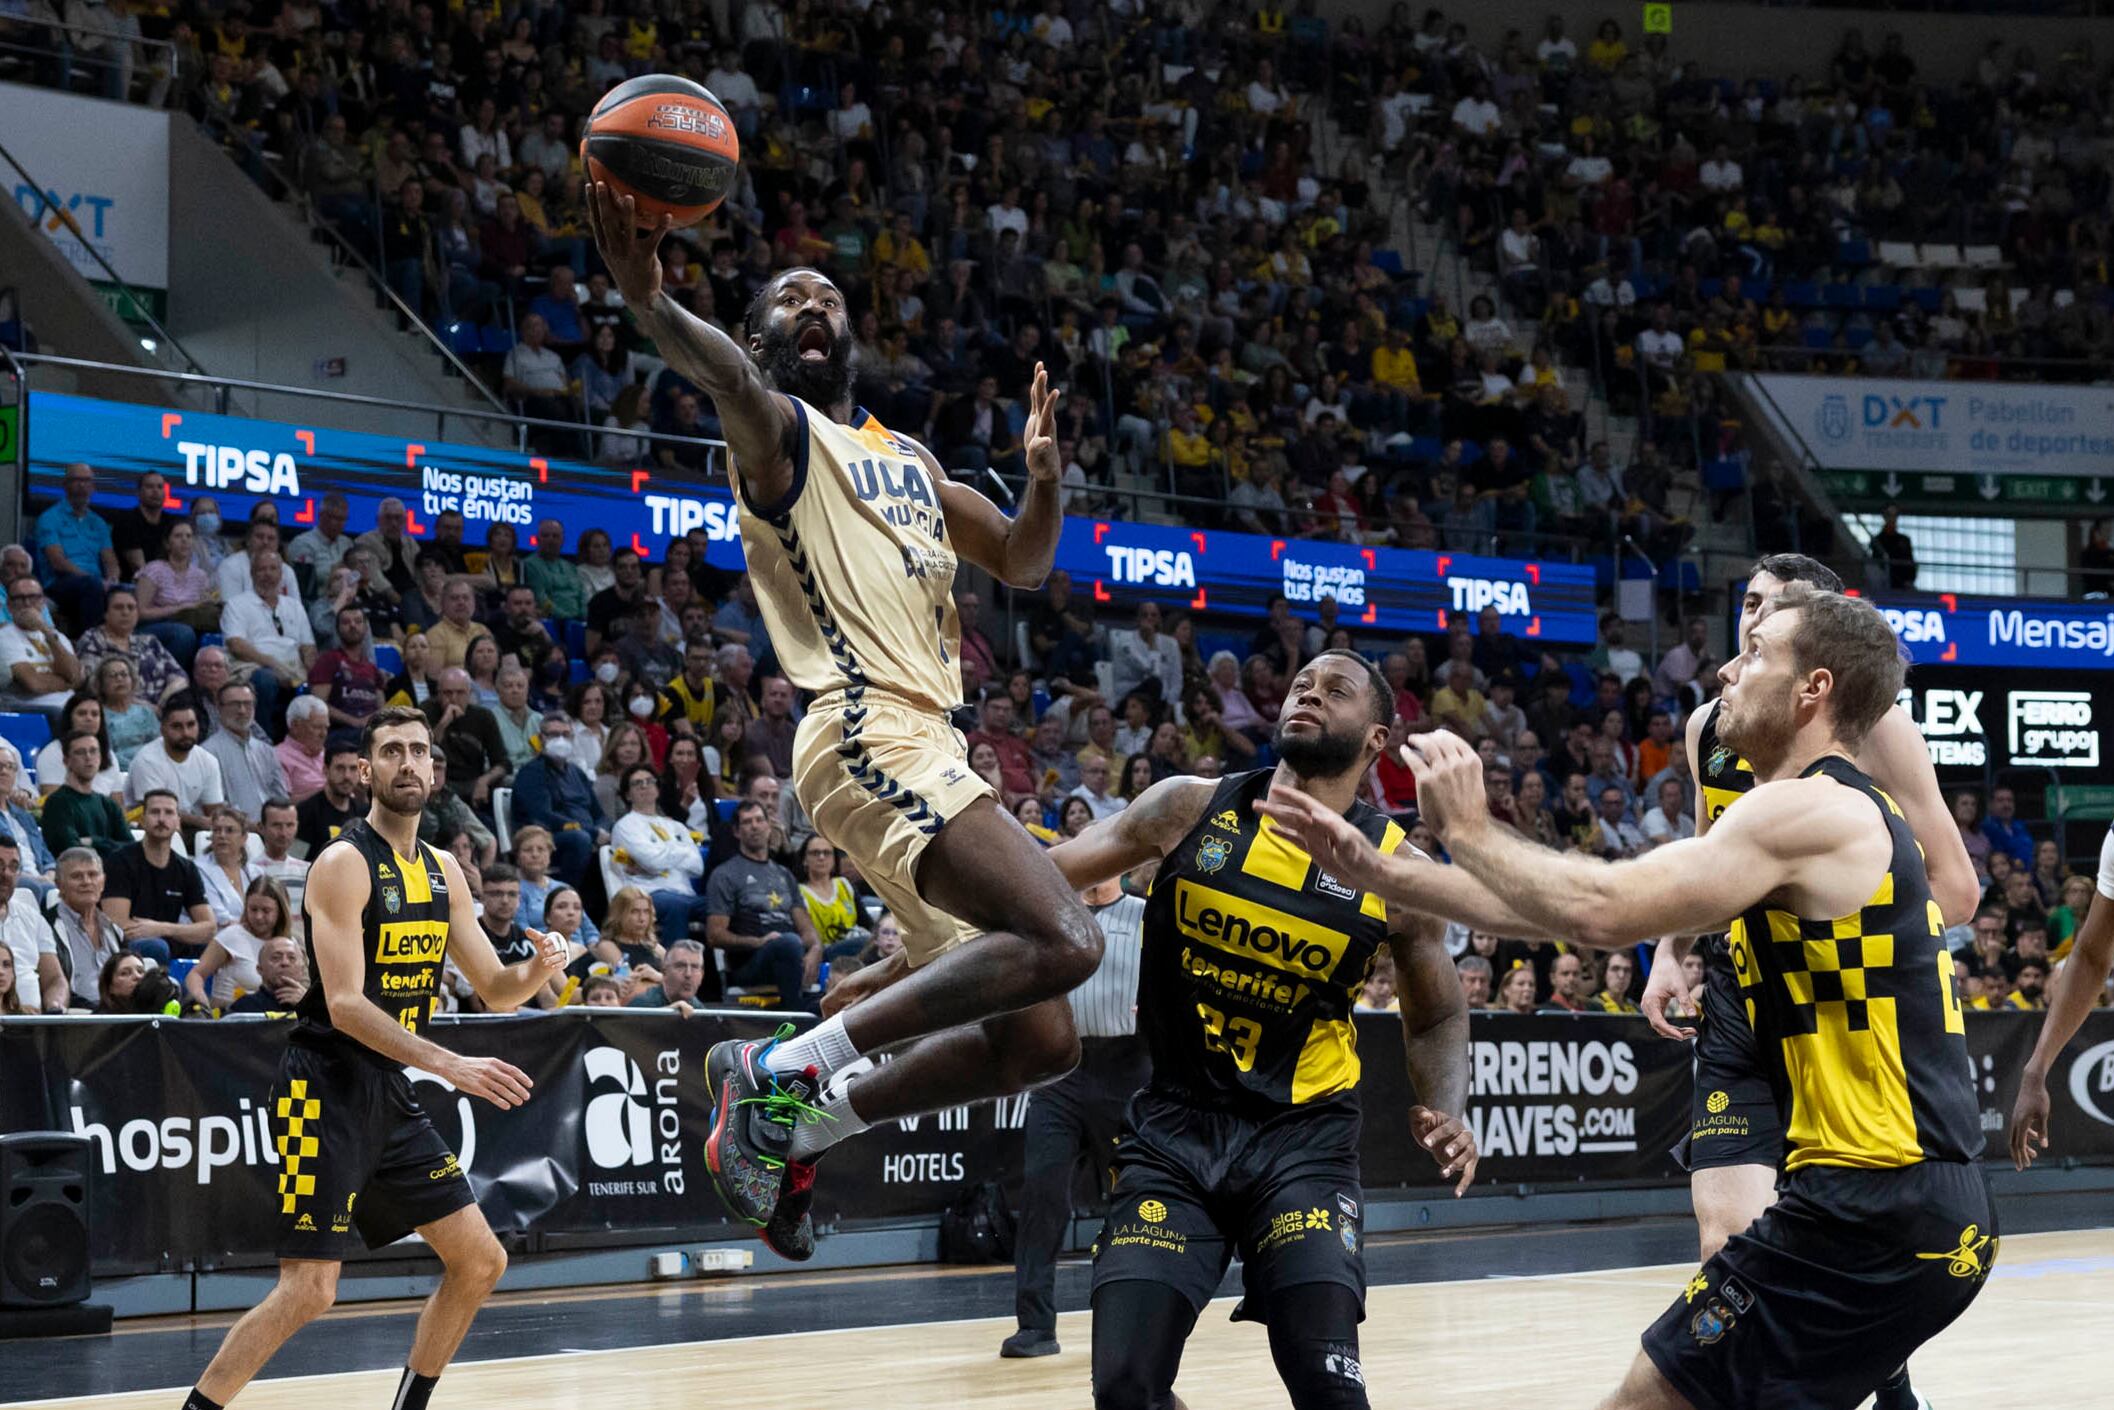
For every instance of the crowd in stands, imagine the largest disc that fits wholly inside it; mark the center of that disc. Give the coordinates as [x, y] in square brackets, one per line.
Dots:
[613, 744]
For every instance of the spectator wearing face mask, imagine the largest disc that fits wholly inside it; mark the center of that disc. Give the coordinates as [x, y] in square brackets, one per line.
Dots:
[550, 791]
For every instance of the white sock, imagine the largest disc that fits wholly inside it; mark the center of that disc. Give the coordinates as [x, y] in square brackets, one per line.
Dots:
[838, 1121]
[826, 1047]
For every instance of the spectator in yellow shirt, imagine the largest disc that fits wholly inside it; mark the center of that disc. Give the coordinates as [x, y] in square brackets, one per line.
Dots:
[1459, 702]
[899, 246]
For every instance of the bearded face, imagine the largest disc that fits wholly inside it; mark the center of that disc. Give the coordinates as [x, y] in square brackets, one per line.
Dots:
[805, 345]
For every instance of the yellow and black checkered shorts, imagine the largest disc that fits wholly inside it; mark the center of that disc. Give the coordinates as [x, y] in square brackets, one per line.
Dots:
[360, 1166]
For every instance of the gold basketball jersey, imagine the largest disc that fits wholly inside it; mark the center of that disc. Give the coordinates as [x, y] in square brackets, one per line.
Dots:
[852, 570]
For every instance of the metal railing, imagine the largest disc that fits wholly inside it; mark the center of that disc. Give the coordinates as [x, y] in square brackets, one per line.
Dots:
[108, 58]
[2069, 370]
[46, 209]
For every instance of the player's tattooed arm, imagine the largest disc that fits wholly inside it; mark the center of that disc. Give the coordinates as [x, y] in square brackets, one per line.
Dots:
[759, 423]
[1435, 1041]
[1144, 832]
[1017, 550]
[503, 987]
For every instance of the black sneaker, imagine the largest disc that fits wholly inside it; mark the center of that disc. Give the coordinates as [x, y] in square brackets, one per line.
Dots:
[753, 1115]
[1029, 1342]
[791, 1230]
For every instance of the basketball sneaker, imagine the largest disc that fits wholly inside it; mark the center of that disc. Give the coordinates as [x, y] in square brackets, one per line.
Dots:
[754, 1112]
[791, 1230]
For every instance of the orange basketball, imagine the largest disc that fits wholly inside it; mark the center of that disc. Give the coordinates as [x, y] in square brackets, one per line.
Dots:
[667, 143]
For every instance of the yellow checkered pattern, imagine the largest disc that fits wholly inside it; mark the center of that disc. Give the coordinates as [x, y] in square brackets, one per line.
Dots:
[296, 1110]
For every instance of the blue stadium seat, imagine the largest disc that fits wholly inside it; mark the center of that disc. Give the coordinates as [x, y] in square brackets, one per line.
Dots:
[211, 639]
[1928, 297]
[1857, 338]
[1724, 476]
[388, 657]
[28, 732]
[1882, 298]
[1603, 574]
[1854, 251]
[1839, 295]
[463, 340]
[1819, 337]
[576, 671]
[1388, 261]
[1801, 293]
[495, 339]
[575, 638]
[1634, 567]
[1681, 576]
[1710, 288]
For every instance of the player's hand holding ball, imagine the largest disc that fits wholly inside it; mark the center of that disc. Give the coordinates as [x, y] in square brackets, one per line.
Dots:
[660, 154]
[1450, 1142]
[1449, 774]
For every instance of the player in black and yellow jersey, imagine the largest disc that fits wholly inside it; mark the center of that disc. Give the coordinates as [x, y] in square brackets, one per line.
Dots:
[1247, 1138]
[359, 1164]
[1885, 1228]
[1735, 1142]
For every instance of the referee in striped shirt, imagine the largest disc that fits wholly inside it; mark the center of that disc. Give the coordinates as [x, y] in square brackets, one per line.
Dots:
[1080, 1115]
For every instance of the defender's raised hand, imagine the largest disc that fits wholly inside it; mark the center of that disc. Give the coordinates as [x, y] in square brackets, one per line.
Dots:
[633, 255]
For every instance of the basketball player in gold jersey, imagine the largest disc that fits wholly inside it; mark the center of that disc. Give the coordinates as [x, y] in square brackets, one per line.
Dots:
[1885, 1228]
[359, 1164]
[852, 533]
[1735, 1142]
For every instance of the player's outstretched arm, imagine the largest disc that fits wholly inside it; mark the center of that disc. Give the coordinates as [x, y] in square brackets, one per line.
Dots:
[1019, 550]
[1144, 832]
[1408, 879]
[759, 423]
[1898, 760]
[1435, 1042]
[2077, 987]
[503, 987]
[1778, 833]
[338, 887]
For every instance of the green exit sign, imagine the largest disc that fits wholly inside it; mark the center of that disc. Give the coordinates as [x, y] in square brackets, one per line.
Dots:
[1930, 493]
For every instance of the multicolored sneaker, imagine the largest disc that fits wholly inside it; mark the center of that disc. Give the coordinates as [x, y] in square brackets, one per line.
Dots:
[791, 1232]
[754, 1112]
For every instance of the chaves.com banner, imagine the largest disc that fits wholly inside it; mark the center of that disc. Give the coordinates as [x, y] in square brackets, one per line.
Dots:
[1961, 428]
[177, 1118]
[239, 461]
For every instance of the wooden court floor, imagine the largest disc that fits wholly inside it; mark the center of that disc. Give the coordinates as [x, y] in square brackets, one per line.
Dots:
[2039, 1336]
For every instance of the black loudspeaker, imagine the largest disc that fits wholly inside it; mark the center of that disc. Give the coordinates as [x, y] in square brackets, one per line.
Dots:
[43, 1219]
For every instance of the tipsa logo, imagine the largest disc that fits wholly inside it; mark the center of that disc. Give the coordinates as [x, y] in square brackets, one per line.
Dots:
[1914, 625]
[1159, 567]
[1474, 594]
[629, 1127]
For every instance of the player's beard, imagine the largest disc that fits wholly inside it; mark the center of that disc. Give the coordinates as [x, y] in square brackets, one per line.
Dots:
[399, 800]
[1760, 729]
[825, 383]
[1321, 755]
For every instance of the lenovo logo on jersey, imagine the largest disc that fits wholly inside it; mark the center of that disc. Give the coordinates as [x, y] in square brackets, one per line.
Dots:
[1474, 594]
[623, 1126]
[1159, 567]
[1914, 625]
[1257, 932]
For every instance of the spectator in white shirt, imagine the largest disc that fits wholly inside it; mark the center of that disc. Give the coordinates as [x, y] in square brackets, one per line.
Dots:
[737, 93]
[232, 577]
[1589, 168]
[282, 823]
[548, 150]
[1622, 837]
[1148, 654]
[1095, 773]
[250, 772]
[176, 763]
[658, 854]
[1265, 94]
[39, 981]
[1669, 821]
[267, 630]
[324, 547]
[1006, 213]
[853, 120]
[1683, 665]
[41, 669]
[534, 375]
[486, 138]
[1475, 114]
[1659, 345]
[1557, 51]
[1721, 175]
[1052, 28]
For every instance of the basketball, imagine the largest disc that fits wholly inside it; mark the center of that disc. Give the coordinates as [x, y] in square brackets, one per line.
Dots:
[667, 143]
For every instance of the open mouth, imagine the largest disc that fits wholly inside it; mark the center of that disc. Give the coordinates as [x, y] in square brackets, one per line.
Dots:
[813, 344]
